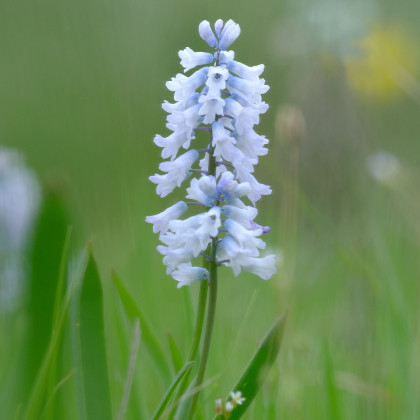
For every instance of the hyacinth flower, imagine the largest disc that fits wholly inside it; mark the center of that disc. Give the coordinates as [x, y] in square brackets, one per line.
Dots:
[224, 98]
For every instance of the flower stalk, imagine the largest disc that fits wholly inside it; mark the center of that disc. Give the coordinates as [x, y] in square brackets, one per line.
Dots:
[224, 99]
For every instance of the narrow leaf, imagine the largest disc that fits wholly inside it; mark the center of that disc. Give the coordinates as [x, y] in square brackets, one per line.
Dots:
[175, 353]
[46, 255]
[91, 361]
[148, 336]
[256, 372]
[161, 407]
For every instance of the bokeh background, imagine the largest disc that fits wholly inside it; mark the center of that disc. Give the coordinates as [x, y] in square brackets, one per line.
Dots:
[81, 87]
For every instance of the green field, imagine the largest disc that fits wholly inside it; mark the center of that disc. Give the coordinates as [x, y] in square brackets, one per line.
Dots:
[81, 87]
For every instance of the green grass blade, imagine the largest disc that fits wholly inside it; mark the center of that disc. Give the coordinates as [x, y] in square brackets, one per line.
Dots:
[254, 375]
[91, 361]
[38, 396]
[46, 255]
[162, 405]
[148, 336]
[175, 353]
[333, 404]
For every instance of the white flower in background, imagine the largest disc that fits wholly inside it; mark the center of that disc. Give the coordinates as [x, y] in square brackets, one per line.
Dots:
[384, 167]
[19, 200]
[223, 98]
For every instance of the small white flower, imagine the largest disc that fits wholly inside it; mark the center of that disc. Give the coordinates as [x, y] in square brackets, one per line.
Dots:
[212, 105]
[251, 90]
[384, 167]
[223, 142]
[256, 189]
[185, 121]
[247, 239]
[185, 274]
[181, 105]
[160, 221]
[171, 144]
[219, 406]
[248, 73]
[229, 407]
[237, 398]
[218, 26]
[177, 170]
[207, 34]
[245, 116]
[203, 190]
[229, 189]
[241, 215]
[216, 80]
[183, 86]
[191, 59]
[225, 56]
[230, 32]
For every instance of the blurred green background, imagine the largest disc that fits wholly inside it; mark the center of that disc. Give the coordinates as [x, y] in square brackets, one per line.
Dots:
[81, 87]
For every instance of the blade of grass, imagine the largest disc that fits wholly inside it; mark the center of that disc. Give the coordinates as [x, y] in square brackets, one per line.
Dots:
[148, 336]
[256, 372]
[46, 255]
[175, 353]
[91, 366]
[161, 407]
[130, 372]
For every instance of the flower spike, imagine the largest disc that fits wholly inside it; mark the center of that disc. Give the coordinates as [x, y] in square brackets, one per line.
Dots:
[224, 98]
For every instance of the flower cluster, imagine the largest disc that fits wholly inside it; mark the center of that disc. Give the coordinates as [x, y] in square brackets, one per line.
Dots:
[225, 408]
[224, 99]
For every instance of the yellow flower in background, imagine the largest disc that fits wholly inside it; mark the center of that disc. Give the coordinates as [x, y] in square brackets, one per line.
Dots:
[387, 65]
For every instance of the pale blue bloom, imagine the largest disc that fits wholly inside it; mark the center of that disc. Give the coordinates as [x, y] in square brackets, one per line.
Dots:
[223, 97]
[161, 221]
[191, 59]
[185, 274]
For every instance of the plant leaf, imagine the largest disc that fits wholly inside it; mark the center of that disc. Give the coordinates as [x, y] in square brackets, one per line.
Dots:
[256, 372]
[46, 255]
[148, 336]
[161, 407]
[175, 353]
[90, 359]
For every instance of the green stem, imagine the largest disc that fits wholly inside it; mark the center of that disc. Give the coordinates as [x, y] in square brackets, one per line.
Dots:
[209, 329]
[201, 309]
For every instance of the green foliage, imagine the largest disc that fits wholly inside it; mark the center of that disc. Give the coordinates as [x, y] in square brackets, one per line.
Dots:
[89, 346]
[255, 373]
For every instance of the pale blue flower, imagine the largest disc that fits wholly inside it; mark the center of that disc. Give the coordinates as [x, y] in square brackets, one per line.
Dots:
[191, 59]
[207, 34]
[161, 221]
[224, 97]
[185, 274]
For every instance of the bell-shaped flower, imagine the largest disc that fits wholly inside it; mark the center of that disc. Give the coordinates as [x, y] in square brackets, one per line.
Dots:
[191, 59]
[256, 189]
[185, 121]
[251, 90]
[245, 72]
[160, 221]
[185, 274]
[244, 216]
[183, 86]
[223, 142]
[216, 80]
[207, 34]
[224, 57]
[211, 105]
[171, 144]
[203, 190]
[229, 189]
[246, 239]
[181, 105]
[177, 170]
[245, 117]
[228, 35]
